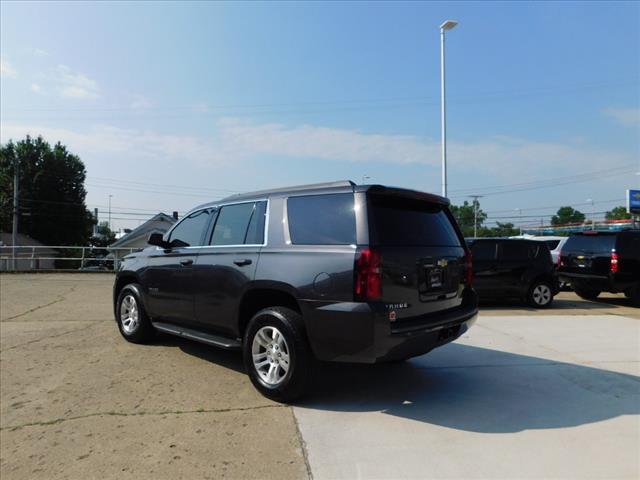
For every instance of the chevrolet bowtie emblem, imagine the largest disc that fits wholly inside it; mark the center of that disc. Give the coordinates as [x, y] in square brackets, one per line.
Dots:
[443, 263]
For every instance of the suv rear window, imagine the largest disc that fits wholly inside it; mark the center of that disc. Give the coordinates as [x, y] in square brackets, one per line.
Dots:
[590, 243]
[405, 221]
[322, 219]
[552, 244]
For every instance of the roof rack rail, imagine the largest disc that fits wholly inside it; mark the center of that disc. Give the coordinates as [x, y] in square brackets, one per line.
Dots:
[311, 186]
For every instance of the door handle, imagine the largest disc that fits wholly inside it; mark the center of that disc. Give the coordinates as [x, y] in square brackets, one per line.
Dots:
[242, 262]
[186, 262]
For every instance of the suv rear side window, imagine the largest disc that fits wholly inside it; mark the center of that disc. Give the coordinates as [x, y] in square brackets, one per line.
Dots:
[590, 243]
[511, 251]
[405, 221]
[483, 251]
[322, 219]
[191, 229]
[232, 224]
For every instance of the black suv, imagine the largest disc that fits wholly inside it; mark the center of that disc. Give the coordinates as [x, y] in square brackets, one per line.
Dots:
[336, 272]
[595, 262]
[514, 268]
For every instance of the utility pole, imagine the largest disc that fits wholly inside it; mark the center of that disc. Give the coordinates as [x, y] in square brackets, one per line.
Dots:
[448, 25]
[110, 211]
[16, 212]
[520, 219]
[475, 213]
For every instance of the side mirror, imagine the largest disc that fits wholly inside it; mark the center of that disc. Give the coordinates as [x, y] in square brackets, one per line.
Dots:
[157, 240]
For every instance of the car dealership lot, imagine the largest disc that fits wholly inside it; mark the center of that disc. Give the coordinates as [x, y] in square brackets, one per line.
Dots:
[525, 393]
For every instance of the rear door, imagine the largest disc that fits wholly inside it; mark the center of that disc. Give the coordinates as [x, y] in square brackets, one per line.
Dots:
[227, 264]
[513, 262]
[485, 254]
[169, 275]
[422, 254]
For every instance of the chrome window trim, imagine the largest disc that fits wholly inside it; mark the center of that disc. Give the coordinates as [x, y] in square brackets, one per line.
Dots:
[218, 207]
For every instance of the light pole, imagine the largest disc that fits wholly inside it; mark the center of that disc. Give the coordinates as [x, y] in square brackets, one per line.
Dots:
[593, 221]
[475, 213]
[448, 25]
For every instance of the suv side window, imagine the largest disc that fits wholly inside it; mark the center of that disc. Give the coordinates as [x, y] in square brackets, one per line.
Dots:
[514, 251]
[255, 232]
[484, 251]
[322, 219]
[232, 224]
[191, 229]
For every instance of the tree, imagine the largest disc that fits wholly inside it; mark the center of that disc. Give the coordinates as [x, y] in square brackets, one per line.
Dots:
[500, 230]
[567, 215]
[465, 216]
[617, 213]
[51, 192]
[104, 236]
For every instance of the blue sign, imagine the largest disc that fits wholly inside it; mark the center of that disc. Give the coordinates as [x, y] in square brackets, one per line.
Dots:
[633, 201]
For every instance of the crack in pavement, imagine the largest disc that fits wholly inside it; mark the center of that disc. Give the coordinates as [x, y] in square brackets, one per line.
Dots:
[56, 421]
[39, 307]
[303, 445]
[93, 324]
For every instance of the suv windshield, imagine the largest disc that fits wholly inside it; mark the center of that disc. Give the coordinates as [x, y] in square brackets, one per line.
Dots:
[404, 221]
[591, 243]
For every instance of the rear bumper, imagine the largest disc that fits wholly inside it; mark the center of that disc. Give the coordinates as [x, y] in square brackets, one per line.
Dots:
[606, 283]
[362, 333]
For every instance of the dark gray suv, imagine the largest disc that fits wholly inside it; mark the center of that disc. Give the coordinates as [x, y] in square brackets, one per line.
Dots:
[334, 272]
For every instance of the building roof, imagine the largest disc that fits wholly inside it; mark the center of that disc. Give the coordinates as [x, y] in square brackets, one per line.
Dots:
[148, 227]
[6, 240]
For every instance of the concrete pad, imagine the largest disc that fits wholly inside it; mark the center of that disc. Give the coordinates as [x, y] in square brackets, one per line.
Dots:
[517, 397]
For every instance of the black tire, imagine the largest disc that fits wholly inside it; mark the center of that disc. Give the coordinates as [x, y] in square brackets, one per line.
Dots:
[634, 295]
[586, 293]
[540, 294]
[138, 328]
[292, 382]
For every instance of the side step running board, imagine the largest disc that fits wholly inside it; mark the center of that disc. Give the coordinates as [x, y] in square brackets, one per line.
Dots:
[208, 338]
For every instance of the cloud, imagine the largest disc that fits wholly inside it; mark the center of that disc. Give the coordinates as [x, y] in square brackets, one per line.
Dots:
[499, 155]
[75, 85]
[235, 141]
[629, 117]
[140, 102]
[6, 70]
[36, 88]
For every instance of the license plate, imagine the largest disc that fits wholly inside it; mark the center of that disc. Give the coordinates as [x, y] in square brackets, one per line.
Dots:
[435, 278]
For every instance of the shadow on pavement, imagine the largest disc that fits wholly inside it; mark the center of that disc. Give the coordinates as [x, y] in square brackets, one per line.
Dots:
[479, 390]
[231, 359]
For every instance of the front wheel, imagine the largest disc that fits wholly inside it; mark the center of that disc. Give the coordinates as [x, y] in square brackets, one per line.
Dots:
[277, 355]
[540, 294]
[133, 322]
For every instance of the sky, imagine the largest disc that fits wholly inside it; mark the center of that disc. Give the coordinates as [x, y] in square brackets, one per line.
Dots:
[171, 105]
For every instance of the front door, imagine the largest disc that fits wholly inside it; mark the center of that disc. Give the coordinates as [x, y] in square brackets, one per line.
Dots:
[227, 265]
[169, 276]
[484, 254]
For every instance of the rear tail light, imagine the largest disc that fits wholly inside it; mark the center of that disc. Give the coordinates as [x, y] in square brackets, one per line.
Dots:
[559, 261]
[368, 281]
[614, 262]
[468, 265]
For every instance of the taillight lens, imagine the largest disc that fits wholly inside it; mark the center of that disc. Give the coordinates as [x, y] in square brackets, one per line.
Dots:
[614, 262]
[368, 281]
[559, 262]
[468, 265]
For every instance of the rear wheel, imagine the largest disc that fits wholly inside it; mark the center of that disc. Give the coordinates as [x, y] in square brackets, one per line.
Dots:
[540, 294]
[277, 355]
[586, 293]
[634, 295]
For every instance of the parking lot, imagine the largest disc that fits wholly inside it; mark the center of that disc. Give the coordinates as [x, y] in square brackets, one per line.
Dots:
[526, 393]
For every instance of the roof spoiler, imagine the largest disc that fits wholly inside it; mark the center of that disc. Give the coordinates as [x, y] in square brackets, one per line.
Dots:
[406, 193]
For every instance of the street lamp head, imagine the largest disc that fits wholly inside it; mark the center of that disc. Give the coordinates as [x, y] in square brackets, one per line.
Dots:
[448, 25]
